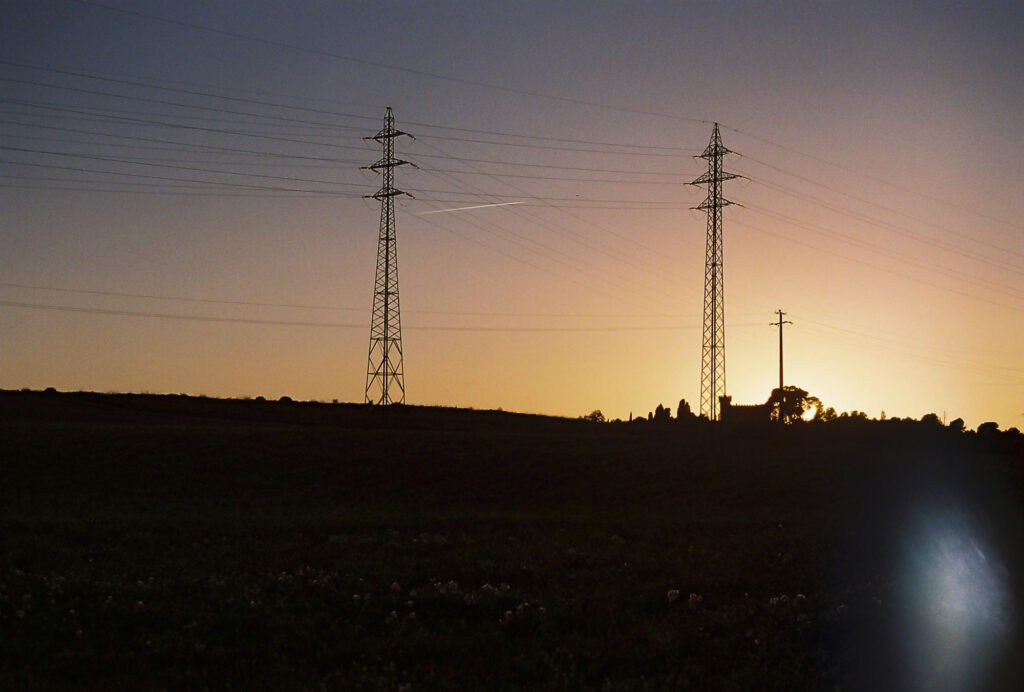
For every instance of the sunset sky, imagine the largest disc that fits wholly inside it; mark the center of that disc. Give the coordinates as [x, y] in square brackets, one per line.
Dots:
[183, 211]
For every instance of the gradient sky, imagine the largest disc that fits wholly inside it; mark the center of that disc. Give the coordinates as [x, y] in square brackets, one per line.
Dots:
[206, 154]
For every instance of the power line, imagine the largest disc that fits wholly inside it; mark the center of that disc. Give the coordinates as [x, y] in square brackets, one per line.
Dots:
[909, 352]
[974, 238]
[163, 123]
[903, 275]
[576, 236]
[931, 242]
[183, 146]
[573, 236]
[371, 63]
[322, 53]
[331, 325]
[308, 306]
[665, 151]
[294, 179]
[874, 177]
[987, 284]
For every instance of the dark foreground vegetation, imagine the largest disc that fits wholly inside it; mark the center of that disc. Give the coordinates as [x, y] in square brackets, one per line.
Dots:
[175, 542]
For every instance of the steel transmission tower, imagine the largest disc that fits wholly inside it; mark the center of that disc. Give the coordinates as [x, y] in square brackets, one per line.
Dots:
[385, 377]
[712, 372]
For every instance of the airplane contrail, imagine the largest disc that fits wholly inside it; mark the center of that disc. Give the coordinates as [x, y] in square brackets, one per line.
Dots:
[478, 206]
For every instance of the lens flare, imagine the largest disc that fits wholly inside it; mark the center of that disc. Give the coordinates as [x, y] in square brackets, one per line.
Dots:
[955, 603]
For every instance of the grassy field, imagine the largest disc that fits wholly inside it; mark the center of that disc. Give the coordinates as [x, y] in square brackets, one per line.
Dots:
[168, 542]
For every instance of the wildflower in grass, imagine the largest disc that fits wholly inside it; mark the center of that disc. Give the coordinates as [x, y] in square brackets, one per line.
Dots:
[395, 587]
[673, 595]
[694, 599]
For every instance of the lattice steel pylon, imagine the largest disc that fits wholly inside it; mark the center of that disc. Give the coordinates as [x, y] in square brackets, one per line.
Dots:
[712, 370]
[384, 364]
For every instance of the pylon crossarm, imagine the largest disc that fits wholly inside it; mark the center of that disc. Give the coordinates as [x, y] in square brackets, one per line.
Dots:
[385, 134]
[381, 194]
[385, 164]
[720, 176]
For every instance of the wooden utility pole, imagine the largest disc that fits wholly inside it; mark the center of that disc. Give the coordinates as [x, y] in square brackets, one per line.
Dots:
[779, 324]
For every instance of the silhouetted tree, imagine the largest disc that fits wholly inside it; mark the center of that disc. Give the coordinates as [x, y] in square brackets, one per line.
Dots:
[988, 428]
[684, 410]
[595, 416]
[931, 419]
[957, 424]
[788, 404]
[826, 416]
[662, 414]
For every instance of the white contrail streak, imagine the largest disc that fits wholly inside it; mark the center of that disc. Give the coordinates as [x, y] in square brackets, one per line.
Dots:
[478, 206]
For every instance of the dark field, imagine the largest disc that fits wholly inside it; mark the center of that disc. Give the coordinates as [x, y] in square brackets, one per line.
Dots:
[170, 542]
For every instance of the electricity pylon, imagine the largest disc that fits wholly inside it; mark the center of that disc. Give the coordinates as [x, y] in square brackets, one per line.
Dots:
[384, 365]
[712, 372]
